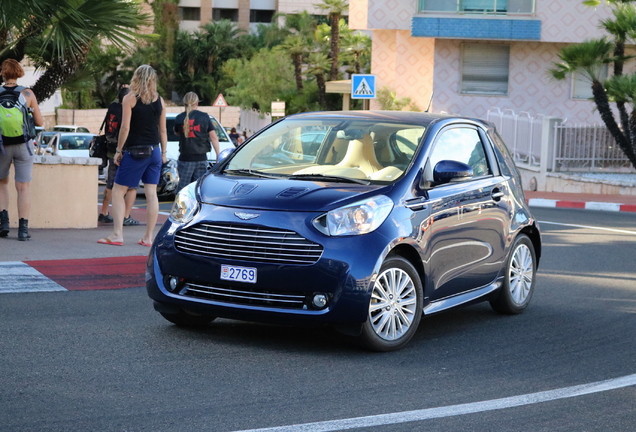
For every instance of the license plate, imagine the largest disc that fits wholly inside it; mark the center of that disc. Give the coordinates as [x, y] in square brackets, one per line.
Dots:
[238, 274]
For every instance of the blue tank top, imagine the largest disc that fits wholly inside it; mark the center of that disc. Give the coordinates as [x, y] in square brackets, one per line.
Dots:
[144, 124]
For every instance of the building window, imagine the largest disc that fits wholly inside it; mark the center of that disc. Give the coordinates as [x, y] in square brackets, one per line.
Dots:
[582, 86]
[479, 6]
[189, 14]
[261, 16]
[219, 14]
[485, 69]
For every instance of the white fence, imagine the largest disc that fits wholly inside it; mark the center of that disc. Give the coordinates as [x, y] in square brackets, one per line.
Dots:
[551, 144]
[580, 147]
[522, 134]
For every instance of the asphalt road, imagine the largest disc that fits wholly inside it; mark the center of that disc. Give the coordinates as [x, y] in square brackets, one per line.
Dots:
[105, 361]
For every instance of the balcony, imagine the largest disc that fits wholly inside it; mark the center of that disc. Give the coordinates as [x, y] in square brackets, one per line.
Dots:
[482, 7]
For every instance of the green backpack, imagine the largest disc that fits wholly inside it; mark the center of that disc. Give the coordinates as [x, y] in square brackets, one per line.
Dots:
[15, 116]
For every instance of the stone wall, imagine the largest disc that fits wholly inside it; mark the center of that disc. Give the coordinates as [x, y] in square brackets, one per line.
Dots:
[93, 118]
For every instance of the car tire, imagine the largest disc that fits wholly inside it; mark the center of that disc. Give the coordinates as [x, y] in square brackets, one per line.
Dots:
[520, 277]
[395, 307]
[188, 319]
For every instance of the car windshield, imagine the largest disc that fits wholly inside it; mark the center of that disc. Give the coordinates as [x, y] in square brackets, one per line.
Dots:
[220, 133]
[329, 149]
[74, 142]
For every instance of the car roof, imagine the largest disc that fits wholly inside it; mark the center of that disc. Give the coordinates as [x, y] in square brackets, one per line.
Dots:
[398, 116]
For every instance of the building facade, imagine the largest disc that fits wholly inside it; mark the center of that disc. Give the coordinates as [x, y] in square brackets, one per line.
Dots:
[469, 56]
[246, 13]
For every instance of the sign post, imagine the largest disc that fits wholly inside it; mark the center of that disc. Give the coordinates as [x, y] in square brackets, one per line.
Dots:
[221, 103]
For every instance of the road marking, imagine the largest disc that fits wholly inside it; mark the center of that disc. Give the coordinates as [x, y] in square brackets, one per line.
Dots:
[455, 410]
[589, 227]
[18, 277]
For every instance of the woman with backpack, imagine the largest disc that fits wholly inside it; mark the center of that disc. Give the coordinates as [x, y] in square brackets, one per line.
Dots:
[16, 148]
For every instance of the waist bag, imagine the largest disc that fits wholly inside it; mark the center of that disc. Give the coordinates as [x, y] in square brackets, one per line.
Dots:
[141, 152]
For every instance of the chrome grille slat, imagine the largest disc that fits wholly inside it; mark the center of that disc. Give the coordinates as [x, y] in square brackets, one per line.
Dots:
[224, 241]
[238, 296]
[248, 243]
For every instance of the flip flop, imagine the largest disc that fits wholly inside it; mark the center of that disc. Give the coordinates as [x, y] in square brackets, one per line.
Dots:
[143, 243]
[108, 241]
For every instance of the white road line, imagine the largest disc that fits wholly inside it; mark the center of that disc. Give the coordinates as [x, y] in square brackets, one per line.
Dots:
[18, 277]
[589, 227]
[455, 410]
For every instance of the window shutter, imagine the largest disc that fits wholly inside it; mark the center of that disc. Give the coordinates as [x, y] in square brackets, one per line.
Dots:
[485, 69]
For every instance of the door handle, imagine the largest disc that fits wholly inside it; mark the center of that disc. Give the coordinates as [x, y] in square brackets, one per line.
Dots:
[496, 194]
[416, 203]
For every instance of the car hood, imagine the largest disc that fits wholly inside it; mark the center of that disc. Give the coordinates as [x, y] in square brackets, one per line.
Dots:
[281, 194]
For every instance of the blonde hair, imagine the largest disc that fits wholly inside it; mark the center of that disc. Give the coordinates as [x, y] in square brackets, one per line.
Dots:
[189, 100]
[144, 84]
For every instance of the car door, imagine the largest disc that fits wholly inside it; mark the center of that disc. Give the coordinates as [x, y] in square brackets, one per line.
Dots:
[469, 219]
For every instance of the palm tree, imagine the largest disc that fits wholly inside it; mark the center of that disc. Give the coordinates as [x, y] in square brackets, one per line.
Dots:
[357, 47]
[296, 47]
[335, 9]
[318, 63]
[58, 34]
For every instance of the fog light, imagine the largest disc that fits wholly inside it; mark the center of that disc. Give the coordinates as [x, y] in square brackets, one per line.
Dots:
[173, 283]
[320, 300]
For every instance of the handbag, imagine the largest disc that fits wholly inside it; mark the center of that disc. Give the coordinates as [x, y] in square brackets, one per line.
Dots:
[98, 147]
[141, 152]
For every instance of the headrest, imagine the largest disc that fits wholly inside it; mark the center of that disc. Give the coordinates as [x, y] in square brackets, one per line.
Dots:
[350, 134]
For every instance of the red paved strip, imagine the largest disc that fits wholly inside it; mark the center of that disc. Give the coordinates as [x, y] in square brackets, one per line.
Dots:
[94, 273]
[570, 204]
[628, 207]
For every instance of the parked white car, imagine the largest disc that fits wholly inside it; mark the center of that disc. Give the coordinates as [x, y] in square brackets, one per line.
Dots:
[70, 128]
[73, 144]
[173, 139]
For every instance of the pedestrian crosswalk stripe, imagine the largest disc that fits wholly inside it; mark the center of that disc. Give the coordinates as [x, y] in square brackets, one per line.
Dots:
[18, 277]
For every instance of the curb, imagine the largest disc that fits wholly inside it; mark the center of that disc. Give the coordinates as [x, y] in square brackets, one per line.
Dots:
[603, 206]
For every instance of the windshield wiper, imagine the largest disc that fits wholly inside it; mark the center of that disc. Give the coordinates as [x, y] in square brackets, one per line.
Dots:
[332, 178]
[252, 173]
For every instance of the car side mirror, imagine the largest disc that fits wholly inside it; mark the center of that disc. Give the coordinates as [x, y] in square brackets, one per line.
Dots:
[224, 154]
[447, 171]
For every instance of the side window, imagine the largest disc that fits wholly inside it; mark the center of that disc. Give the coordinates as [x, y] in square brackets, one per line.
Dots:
[462, 145]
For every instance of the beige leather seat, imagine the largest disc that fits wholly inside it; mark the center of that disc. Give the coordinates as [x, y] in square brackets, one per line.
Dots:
[361, 155]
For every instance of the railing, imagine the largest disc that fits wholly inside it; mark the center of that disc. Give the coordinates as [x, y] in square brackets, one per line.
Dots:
[521, 133]
[589, 148]
[487, 7]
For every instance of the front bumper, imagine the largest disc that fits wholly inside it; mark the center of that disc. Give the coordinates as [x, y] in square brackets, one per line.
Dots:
[284, 290]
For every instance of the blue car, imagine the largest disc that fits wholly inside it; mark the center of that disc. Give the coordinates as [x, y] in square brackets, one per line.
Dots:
[380, 218]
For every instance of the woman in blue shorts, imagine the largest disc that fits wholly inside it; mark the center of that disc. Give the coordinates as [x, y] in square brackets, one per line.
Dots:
[143, 126]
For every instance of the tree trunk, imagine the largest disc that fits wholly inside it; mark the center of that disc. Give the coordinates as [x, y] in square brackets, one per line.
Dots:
[619, 52]
[604, 109]
[55, 76]
[322, 91]
[335, 36]
[297, 60]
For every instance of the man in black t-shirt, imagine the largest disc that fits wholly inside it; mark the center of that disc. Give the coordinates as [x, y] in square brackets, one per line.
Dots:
[194, 141]
[112, 122]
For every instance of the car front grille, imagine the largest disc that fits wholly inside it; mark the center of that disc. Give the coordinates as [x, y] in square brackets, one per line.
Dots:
[247, 243]
[245, 296]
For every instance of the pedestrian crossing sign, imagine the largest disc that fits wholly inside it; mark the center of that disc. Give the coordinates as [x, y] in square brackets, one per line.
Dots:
[362, 86]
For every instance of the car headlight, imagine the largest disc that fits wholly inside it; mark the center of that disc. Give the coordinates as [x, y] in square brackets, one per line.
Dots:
[185, 205]
[361, 217]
